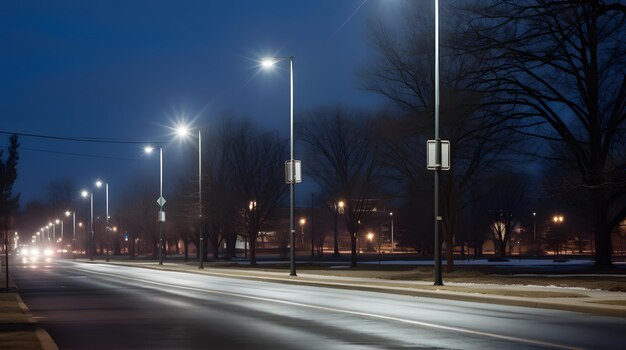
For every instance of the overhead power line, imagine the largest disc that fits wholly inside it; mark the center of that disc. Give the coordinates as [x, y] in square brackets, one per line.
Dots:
[81, 139]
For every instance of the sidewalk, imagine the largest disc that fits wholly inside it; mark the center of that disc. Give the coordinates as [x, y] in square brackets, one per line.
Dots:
[18, 329]
[561, 298]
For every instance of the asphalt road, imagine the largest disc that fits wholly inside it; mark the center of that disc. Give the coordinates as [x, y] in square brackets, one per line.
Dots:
[97, 306]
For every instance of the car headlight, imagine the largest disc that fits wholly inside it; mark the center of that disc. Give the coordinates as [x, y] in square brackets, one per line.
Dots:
[47, 252]
[34, 252]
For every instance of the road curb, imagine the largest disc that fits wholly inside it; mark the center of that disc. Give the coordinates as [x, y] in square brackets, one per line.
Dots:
[604, 310]
[42, 335]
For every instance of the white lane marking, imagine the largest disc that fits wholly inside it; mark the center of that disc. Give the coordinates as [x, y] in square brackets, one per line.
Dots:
[349, 312]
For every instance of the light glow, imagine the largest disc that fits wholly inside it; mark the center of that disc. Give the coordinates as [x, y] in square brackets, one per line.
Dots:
[148, 149]
[268, 62]
[84, 194]
[98, 183]
[182, 130]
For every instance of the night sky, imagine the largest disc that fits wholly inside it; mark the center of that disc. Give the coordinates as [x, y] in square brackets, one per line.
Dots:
[129, 69]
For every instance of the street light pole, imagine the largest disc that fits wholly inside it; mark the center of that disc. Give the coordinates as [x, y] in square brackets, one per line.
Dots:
[269, 62]
[106, 229]
[106, 202]
[160, 205]
[293, 172]
[201, 263]
[67, 213]
[61, 222]
[534, 227]
[391, 215]
[183, 131]
[160, 201]
[91, 244]
[438, 277]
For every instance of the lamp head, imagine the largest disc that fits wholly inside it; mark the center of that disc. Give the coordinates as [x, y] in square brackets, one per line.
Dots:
[98, 183]
[84, 194]
[57, 221]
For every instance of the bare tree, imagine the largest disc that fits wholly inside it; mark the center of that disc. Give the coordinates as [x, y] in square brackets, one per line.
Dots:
[560, 67]
[254, 169]
[342, 159]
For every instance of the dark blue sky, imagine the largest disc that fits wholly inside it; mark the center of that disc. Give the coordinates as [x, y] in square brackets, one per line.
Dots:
[127, 69]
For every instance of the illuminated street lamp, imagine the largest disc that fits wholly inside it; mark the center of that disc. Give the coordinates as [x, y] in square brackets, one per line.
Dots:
[302, 222]
[91, 244]
[183, 131]
[67, 214]
[54, 231]
[160, 200]
[534, 227]
[267, 63]
[106, 200]
[391, 216]
[338, 209]
[61, 221]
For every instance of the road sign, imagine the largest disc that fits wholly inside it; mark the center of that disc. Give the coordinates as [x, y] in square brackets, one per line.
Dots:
[161, 201]
[445, 155]
[161, 216]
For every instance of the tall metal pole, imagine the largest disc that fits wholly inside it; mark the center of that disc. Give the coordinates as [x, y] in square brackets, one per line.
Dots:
[391, 214]
[335, 224]
[73, 232]
[534, 227]
[160, 205]
[293, 173]
[61, 238]
[201, 264]
[438, 278]
[93, 242]
[106, 229]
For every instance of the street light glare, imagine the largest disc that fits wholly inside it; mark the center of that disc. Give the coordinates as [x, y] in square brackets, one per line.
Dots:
[98, 183]
[148, 149]
[84, 194]
[67, 213]
[268, 62]
[57, 221]
[182, 130]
